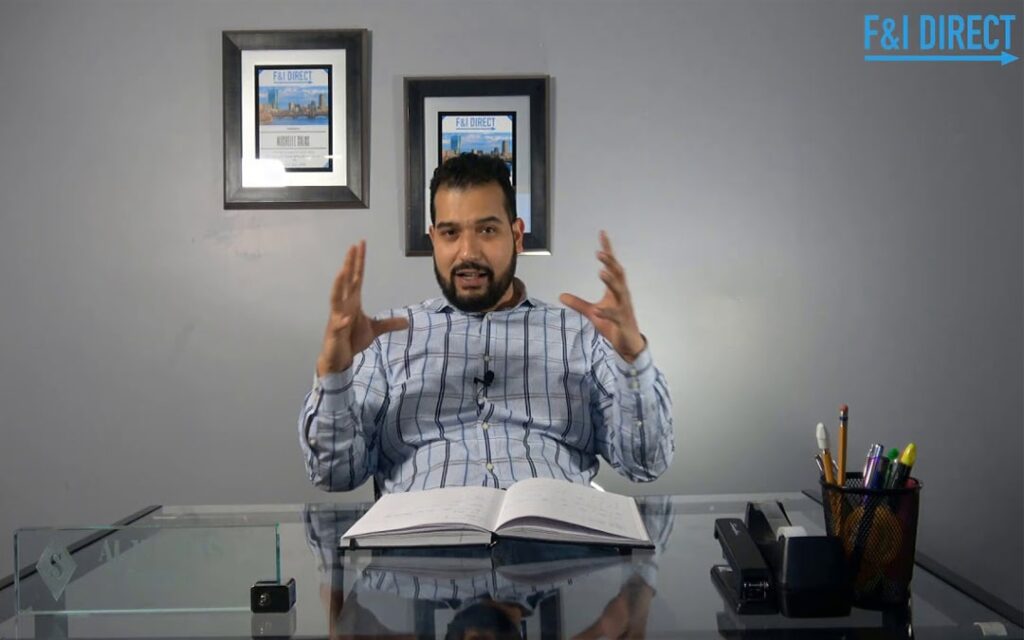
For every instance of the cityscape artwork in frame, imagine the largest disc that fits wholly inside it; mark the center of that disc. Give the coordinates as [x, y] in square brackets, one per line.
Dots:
[502, 116]
[296, 122]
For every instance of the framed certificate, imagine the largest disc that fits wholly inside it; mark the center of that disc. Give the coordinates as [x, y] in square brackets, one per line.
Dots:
[502, 116]
[479, 132]
[296, 127]
[294, 123]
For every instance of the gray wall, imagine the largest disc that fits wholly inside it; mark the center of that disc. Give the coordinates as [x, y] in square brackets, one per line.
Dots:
[800, 228]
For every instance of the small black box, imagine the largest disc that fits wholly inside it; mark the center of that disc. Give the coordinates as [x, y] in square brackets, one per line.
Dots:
[809, 571]
[269, 596]
[810, 574]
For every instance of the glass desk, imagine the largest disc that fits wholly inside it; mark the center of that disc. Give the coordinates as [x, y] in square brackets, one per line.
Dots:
[667, 593]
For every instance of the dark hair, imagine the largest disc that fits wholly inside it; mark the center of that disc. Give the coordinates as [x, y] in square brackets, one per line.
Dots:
[472, 170]
[482, 616]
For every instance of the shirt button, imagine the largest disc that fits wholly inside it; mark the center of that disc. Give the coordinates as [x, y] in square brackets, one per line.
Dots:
[490, 467]
[485, 426]
[634, 386]
[487, 358]
[639, 423]
[312, 441]
[632, 372]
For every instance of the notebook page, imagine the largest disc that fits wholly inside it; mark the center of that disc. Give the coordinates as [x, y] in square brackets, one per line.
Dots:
[475, 506]
[575, 504]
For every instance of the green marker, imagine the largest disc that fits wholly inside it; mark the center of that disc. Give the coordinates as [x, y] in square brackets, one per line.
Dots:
[902, 471]
[893, 455]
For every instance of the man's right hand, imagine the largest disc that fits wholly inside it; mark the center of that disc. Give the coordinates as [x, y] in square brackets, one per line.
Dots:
[349, 330]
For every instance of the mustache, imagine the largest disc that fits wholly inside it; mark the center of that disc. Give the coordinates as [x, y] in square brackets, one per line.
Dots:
[475, 266]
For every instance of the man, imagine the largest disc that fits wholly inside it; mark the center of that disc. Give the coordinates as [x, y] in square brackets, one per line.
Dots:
[486, 385]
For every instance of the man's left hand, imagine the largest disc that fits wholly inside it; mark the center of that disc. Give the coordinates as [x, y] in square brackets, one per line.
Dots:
[612, 315]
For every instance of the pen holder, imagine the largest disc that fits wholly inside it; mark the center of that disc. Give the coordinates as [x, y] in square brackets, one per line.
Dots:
[878, 531]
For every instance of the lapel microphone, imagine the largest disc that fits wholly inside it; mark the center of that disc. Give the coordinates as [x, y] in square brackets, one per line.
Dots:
[488, 378]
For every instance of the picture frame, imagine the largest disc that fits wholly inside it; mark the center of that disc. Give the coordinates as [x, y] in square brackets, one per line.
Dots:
[499, 115]
[296, 119]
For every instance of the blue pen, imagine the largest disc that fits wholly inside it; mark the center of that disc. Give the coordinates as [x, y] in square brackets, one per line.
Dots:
[880, 473]
[871, 466]
[873, 450]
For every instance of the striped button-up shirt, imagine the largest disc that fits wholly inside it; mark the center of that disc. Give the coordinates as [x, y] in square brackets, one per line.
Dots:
[486, 399]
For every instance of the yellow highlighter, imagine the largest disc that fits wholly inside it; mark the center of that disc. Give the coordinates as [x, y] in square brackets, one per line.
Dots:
[899, 476]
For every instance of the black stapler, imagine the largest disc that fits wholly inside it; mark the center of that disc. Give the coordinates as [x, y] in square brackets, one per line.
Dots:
[804, 576]
[746, 583]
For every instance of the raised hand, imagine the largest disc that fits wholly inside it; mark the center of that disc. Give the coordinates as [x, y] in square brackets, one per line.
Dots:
[349, 330]
[612, 315]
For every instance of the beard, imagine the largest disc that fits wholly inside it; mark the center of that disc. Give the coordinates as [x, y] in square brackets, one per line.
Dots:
[476, 302]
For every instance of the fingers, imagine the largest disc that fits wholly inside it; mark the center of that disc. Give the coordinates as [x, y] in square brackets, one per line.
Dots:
[339, 291]
[338, 322]
[611, 264]
[384, 325]
[353, 263]
[616, 285]
[611, 314]
[577, 304]
[614, 276]
[608, 259]
[357, 277]
[349, 280]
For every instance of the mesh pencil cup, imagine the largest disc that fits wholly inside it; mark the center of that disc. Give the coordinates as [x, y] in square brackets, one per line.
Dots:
[878, 529]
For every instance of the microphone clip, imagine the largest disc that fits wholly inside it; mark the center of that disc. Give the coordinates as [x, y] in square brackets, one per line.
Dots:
[487, 379]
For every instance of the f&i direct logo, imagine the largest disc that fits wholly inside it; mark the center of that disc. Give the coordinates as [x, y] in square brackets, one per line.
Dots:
[971, 37]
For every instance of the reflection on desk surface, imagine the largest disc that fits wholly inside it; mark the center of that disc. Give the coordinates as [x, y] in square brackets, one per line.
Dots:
[515, 589]
[504, 590]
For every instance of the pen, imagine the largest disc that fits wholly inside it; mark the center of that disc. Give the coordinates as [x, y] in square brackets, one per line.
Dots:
[844, 417]
[880, 473]
[873, 450]
[826, 455]
[821, 467]
[871, 464]
[901, 471]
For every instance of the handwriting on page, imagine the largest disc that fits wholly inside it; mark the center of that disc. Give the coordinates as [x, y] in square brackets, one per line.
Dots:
[477, 506]
[576, 504]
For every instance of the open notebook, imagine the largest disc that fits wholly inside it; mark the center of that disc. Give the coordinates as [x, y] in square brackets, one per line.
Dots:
[533, 509]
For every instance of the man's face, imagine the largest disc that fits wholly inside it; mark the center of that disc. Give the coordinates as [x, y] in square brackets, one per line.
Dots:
[475, 247]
